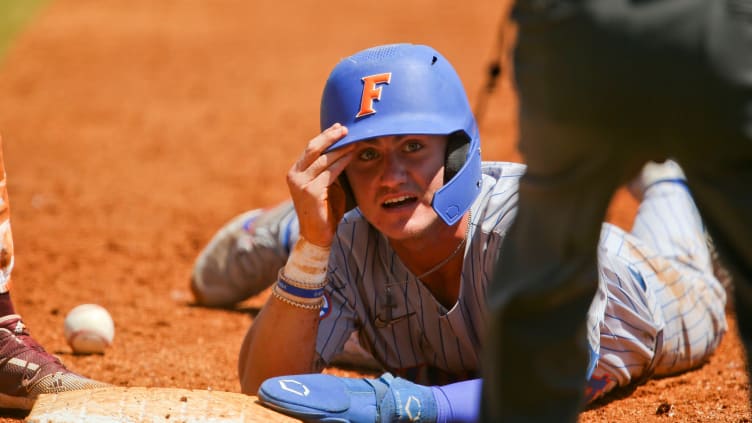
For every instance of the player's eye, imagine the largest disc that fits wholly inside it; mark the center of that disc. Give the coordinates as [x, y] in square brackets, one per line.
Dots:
[368, 154]
[412, 146]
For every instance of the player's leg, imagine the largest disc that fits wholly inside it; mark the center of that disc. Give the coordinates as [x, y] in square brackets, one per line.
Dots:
[544, 283]
[665, 311]
[244, 256]
[678, 267]
[26, 369]
[667, 219]
[546, 275]
[626, 69]
[585, 127]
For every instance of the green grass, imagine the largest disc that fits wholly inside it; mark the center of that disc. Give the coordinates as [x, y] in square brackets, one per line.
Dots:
[14, 14]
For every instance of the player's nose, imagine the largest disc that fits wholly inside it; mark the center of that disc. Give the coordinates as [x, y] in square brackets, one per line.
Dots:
[393, 170]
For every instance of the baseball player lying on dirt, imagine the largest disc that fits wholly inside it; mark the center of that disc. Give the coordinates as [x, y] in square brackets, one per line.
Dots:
[407, 269]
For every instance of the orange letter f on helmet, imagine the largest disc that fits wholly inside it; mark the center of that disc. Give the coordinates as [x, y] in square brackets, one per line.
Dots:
[372, 92]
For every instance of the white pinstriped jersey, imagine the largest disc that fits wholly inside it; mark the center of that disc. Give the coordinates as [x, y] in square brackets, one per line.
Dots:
[398, 319]
[656, 291]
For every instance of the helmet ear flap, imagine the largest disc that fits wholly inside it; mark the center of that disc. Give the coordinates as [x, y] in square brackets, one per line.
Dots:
[457, 147]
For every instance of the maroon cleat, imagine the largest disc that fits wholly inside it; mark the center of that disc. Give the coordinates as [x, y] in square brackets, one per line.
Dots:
[27, 370]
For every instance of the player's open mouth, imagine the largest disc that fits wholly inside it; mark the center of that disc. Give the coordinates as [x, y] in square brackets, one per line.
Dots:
[398, 202]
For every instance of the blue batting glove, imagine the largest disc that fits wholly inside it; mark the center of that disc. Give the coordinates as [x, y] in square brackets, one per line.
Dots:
[326, 398]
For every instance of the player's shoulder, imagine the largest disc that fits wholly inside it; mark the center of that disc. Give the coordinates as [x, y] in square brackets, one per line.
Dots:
[496, 205]
[500, 181]
[502, 170]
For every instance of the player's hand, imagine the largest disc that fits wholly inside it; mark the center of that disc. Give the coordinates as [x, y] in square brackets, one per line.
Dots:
[319, 199]
[331, 398]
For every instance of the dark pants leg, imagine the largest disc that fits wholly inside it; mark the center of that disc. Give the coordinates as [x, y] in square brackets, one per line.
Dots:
[536, 352]
[723, 192]
[604, 86]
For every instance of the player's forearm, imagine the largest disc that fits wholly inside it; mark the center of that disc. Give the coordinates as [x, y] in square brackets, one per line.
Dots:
[281, 341]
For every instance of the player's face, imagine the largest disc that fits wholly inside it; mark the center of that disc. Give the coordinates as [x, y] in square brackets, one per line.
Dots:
[394, 178]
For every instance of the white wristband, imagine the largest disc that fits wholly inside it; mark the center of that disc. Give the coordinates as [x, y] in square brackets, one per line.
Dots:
[307, 263]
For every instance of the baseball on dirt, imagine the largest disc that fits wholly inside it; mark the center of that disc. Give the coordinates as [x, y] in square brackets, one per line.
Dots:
[89, 329]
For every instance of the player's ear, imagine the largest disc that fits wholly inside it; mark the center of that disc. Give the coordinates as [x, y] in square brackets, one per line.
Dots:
[456, 151]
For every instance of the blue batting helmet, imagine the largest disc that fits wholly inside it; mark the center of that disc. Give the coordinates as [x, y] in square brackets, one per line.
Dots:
[402, 89]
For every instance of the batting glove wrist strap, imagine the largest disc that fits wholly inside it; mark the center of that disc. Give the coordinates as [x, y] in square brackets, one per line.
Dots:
[306, 266]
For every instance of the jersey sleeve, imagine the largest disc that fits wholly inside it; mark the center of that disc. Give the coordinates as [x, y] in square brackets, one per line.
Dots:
[338, 317]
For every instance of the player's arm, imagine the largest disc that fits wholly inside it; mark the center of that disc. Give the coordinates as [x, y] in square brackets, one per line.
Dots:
[282, 338]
